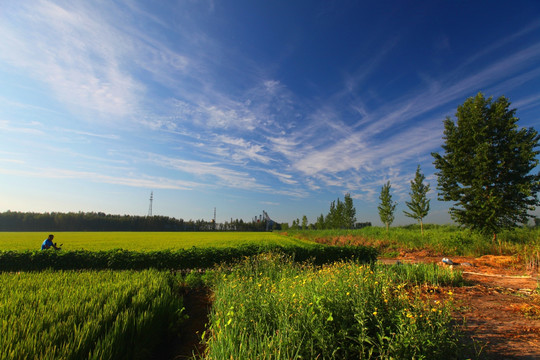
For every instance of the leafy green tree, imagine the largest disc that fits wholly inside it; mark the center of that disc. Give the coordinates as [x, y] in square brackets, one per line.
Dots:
[349, 212]
[329, 220]
[304, 222]
[319, 224]
[419, 204]
[387, 206]
[340, 216]
[486, 166]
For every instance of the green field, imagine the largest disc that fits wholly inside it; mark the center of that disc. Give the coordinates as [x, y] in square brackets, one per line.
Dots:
[142, 241]
[86, 315]
[266, 307]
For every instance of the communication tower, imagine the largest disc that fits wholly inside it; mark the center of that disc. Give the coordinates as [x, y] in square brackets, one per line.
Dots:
[150, 207]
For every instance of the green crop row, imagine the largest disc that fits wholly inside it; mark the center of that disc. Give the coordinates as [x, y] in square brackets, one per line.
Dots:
[171, 259]
[270, 308]
[86, 315]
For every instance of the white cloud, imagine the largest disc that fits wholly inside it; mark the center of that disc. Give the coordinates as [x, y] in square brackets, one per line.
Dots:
[527, 103]
[271, 203]
[284, 178]
[211, 171]
[376, 143]
[95, 58]
[13, 161]
[220, 117]
[241, 149]
[76, 52]
[271, 86]
[143, 181]
[29, 129]
[91, 134]
[285, 145]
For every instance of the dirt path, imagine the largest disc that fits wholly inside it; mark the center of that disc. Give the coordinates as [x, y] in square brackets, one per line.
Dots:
[500, 306]
[197, 303]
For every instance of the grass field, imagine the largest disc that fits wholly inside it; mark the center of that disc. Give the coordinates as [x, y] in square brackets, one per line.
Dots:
[142, 241]
[266, 307]
[86, 315]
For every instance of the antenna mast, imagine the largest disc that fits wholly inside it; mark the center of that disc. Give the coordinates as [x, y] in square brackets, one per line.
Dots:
[150, 207]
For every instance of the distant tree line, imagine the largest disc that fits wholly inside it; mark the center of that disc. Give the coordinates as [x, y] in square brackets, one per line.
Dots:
[92, 221]
[341, 215]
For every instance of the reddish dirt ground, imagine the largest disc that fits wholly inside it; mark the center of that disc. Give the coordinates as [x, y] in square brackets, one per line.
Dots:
[500, 305]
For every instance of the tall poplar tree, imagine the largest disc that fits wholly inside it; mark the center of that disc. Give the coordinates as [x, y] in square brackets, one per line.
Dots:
[329, 220]
[304, 222]
[349, 212]
[319, 225]
[486, 167]
[387, 206]
[419, 204]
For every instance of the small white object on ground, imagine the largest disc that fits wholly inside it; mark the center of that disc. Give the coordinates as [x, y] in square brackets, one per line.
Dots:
[447, 261]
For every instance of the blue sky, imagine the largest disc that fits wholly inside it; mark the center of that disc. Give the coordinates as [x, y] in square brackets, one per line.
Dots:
[246, 106]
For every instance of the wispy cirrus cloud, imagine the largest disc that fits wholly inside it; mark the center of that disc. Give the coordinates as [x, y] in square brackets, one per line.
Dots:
[136, 180]
[284, 178]
[241, 149]
[528, 102]
[32, 128]
[90, 134]
[402, 131]
[223, 119]
[325, 146]
[209, 171]
[92, 57]
[79, 55]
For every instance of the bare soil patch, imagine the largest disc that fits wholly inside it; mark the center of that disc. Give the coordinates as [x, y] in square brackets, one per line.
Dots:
[500, 306]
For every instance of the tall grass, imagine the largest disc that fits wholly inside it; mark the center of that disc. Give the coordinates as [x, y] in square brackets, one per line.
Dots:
[270, 308]
[437, 240]
[85, 315]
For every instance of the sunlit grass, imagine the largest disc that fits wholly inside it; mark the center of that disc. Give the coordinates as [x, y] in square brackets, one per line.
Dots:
[437, 240]
[142, 241]
[85, 315]
[270, 308]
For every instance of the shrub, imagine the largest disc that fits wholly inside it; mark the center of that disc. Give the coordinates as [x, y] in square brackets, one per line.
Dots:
[193, 258]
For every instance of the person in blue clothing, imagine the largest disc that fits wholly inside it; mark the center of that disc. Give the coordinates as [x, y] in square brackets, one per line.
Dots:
[47, 243]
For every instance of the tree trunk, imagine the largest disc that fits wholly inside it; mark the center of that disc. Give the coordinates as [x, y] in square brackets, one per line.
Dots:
[499, 242]
[422, 227]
